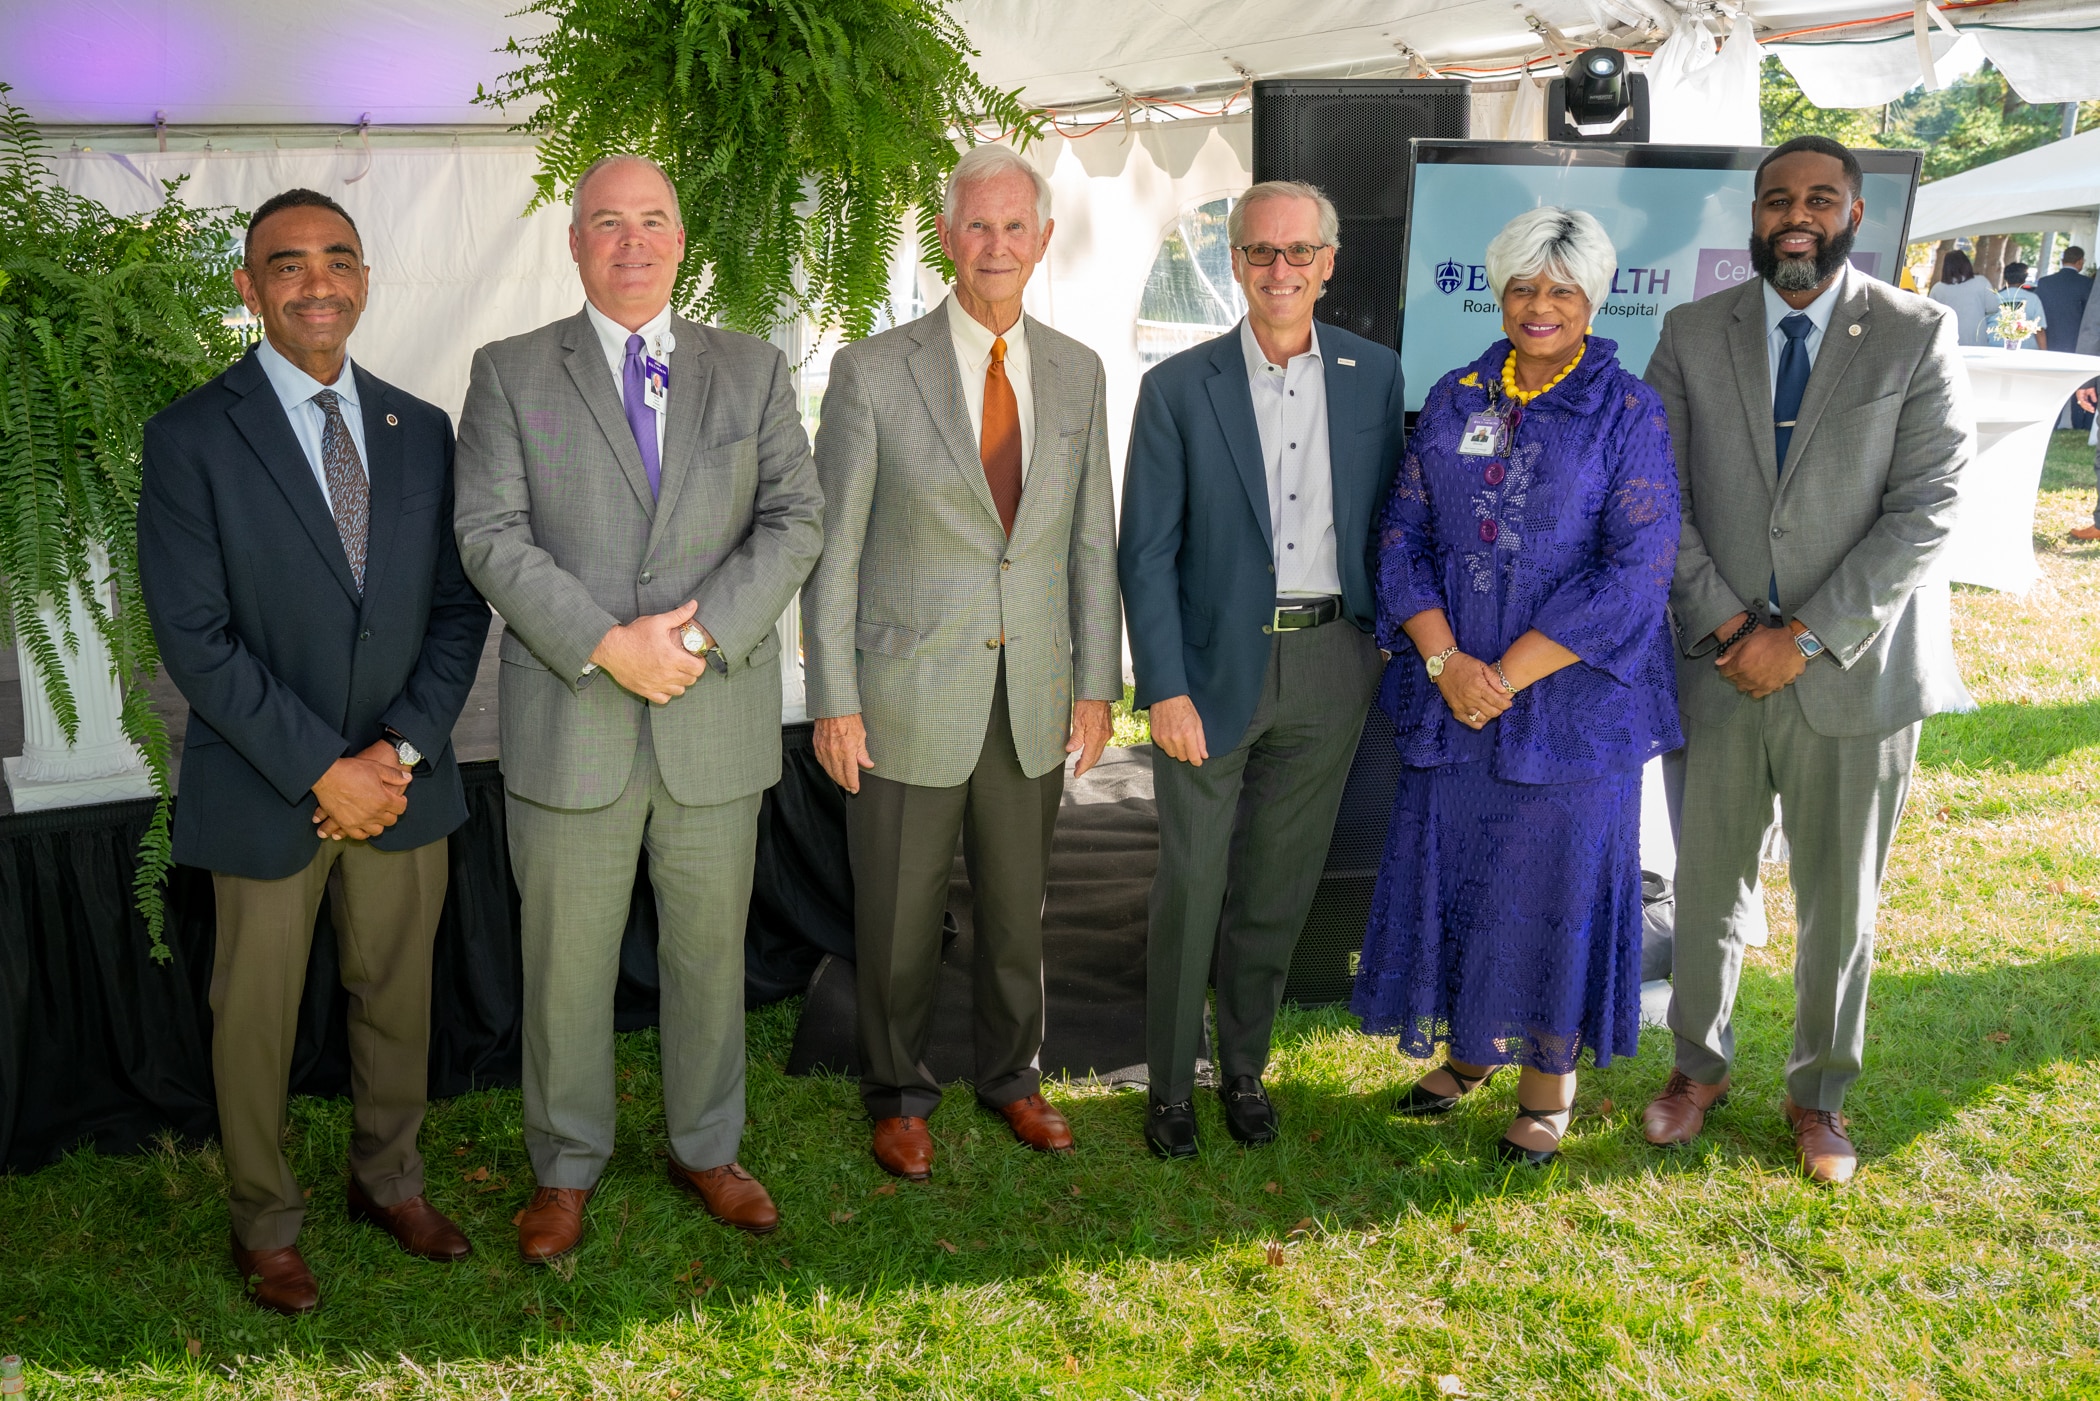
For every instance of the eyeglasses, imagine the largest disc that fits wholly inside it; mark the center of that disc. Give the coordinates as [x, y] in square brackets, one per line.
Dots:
[1298, 255]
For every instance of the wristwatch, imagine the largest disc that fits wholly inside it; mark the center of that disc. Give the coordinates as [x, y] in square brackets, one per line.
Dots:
[1435, 665]
[1811, 646]
[694, 639]
[410, 756]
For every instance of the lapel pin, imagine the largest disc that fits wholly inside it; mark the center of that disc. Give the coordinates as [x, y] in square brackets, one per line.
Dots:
[1853, 330]
[1342, 360]
[393, 422]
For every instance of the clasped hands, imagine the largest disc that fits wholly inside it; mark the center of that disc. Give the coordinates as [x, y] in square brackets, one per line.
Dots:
[648, 657]
[1472, 690]
[1764, 662]
[842, 742]
[361, 795]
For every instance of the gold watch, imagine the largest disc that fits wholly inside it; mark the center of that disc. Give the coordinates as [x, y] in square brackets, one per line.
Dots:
[1435, 665]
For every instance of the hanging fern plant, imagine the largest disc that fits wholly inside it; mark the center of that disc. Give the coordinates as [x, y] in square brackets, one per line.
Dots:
[104, 320]
[800, 133]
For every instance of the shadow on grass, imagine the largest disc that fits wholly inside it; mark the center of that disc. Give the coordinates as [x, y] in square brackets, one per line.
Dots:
[2004, 737]
[118, 1261]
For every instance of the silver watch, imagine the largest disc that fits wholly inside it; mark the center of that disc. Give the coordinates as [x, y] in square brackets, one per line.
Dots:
[1810, 645]
[1435, 665]
[409, 755]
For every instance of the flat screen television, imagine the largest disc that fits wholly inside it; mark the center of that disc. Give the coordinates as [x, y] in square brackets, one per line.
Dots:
[1678, 215]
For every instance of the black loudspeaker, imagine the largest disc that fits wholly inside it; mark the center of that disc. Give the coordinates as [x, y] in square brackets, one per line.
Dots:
[1349, 137]
[1323, 968]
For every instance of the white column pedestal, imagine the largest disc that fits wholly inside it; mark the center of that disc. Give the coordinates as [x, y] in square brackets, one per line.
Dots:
[101, 765]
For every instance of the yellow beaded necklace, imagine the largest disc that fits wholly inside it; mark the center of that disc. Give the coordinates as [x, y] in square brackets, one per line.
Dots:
[1525, 396]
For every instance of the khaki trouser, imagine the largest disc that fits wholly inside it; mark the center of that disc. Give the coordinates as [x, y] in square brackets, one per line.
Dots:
[385, 906]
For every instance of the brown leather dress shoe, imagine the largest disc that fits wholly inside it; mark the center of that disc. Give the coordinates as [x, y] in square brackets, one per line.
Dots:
[551, 1223]
[1679, 1112]
[2086, 533]
[904, 1148]
[277, 1280]
[420, 1228]
[1819, 1136]
[1036, 1122]
[731, 1195]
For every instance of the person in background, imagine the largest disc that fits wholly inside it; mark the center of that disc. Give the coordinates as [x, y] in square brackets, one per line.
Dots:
[1257, 464]
[1973, 301]
[2064, 294]
[636, 499]
[2019, 293]
[296, 554]
[964, 638]
[1821, 427]
[2087, 395]
[1524, 570]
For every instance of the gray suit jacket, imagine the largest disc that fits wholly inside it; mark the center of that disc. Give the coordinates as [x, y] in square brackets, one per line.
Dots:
[1852, 526]
[902, 619]
[558, 530]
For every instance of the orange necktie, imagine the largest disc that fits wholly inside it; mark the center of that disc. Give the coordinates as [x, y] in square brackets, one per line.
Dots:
[999, 444]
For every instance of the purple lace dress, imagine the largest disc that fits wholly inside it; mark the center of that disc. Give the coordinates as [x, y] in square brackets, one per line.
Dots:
[1507, 918]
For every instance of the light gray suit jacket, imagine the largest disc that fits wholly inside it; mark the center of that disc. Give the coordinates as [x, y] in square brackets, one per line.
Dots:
[558, 530]
[1852, 526]
[903, 617]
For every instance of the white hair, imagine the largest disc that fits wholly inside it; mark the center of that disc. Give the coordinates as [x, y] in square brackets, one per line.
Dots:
[1330, 221]
[576, 200]
[1567, 245]
[988, 163]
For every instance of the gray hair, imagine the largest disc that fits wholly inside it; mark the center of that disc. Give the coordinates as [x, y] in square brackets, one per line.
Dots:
[988, 163]
[1330, 220]
[576, 200]
[1567, 245]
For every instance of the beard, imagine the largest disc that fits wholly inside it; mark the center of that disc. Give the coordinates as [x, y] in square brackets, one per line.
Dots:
[1800, 274]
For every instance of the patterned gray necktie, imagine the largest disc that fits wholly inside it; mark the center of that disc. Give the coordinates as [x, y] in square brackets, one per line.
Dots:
[348, 492]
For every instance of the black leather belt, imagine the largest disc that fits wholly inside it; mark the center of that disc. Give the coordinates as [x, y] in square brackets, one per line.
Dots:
[1297, 613]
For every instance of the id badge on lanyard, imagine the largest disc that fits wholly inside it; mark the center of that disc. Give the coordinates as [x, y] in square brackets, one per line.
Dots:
[656, 383]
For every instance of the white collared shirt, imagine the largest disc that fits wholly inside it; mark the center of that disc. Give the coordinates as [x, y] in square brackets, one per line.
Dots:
[973, 358]
[1290, 411]
[295, 390]
[657, 340]
[1817, 311]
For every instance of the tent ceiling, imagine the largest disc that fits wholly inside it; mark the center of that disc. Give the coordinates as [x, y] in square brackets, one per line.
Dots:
[410, 62]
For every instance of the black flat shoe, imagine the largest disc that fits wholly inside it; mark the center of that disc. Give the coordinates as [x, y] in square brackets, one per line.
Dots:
[1170, 1129]
[1248, 1114]
[1422, 1103]
[1509, 1152]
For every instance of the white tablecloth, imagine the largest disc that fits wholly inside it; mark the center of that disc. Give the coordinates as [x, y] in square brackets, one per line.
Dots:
[2017, 395]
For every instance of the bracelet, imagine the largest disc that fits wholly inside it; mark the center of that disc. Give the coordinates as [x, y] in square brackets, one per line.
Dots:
[1749, 626]
[1503, 677]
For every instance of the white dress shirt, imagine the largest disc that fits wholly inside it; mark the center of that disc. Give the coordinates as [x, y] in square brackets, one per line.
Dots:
[1817, 311]
[295, 390]
[973, 357]
[657, 340]
[1290, 411]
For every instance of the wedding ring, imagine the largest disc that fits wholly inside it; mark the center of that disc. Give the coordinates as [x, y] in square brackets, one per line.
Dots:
[1474, 716]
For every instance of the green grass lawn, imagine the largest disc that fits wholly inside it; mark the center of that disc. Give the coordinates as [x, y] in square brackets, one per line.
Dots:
[1363, 1255]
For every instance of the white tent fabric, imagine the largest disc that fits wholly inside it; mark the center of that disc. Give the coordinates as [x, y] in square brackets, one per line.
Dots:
[2056, 186]
[1867, 75]
[2045, 65]
[1701, 96]
[453, 263]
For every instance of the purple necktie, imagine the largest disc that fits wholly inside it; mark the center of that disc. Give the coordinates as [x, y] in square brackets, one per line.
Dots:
[640, 417]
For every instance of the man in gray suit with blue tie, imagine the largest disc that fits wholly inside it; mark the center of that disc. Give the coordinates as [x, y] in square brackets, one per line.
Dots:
[1821, 431]
[1258, 465]
[636, 500]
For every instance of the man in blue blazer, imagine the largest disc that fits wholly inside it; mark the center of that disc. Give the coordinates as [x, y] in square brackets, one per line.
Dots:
[1258, 465]
[296, 551]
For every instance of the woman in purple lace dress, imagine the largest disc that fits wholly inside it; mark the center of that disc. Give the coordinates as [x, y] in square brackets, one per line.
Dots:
[1523, 574]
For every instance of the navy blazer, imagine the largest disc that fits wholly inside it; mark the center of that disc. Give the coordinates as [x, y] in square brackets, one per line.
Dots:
[261, 627]
[1196, 557]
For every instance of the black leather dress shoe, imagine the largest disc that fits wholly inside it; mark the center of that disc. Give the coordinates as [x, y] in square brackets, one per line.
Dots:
[1170, 1129]
[1248, 1114]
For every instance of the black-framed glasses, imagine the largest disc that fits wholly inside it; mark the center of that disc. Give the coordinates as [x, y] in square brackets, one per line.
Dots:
[1298, 255]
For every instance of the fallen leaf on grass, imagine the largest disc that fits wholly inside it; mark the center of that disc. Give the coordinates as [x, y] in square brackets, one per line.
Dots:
[2001, 1037]
[887, 1189]
[495, 1186]
[1458, 1228]
[947, 1246]
[626, 1098]
[1303, 1228]
[1448, 1385]
[1274, 1252]
[1271, 1188]
[1315, 1136]
[690, 1271]
[1604, 1108]
[840, 1218]
[1071, 1364]
[1075, 1189]
[480, 1174]
[195, 1345]
[786, 1264]
[2056, 887]
[308, 1194]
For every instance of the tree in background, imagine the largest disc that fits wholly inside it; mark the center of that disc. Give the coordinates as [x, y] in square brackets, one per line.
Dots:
[801, 134]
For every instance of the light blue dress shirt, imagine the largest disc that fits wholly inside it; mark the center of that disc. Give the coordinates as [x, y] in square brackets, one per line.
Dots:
[1817, 311]
[1290, 414]
[295, 390]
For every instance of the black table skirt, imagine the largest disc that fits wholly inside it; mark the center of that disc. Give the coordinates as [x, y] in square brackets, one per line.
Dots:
[98, 1043]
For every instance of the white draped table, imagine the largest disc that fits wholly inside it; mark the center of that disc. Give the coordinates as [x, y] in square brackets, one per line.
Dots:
[2017, 395]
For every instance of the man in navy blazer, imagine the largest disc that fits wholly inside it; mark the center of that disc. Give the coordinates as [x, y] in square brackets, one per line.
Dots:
[297, 556]
[1258, 464]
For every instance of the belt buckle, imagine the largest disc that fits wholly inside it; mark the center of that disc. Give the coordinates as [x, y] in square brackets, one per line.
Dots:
[1299, 616]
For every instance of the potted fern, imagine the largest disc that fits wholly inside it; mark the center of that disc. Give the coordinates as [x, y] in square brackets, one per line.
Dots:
[104, 320]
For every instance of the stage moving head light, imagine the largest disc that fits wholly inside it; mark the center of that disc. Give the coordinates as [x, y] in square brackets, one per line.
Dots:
[1597, 98]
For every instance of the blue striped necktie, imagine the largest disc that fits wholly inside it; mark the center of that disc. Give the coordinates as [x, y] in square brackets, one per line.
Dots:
[1793, 380]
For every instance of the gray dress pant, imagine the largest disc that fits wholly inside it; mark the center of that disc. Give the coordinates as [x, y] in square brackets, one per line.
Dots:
[575, 874]
[1242, 841]
[900, 838]
[1839, 800]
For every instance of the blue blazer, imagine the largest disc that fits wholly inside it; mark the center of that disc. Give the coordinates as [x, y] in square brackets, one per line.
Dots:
[286, 667]
[1196, 558]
